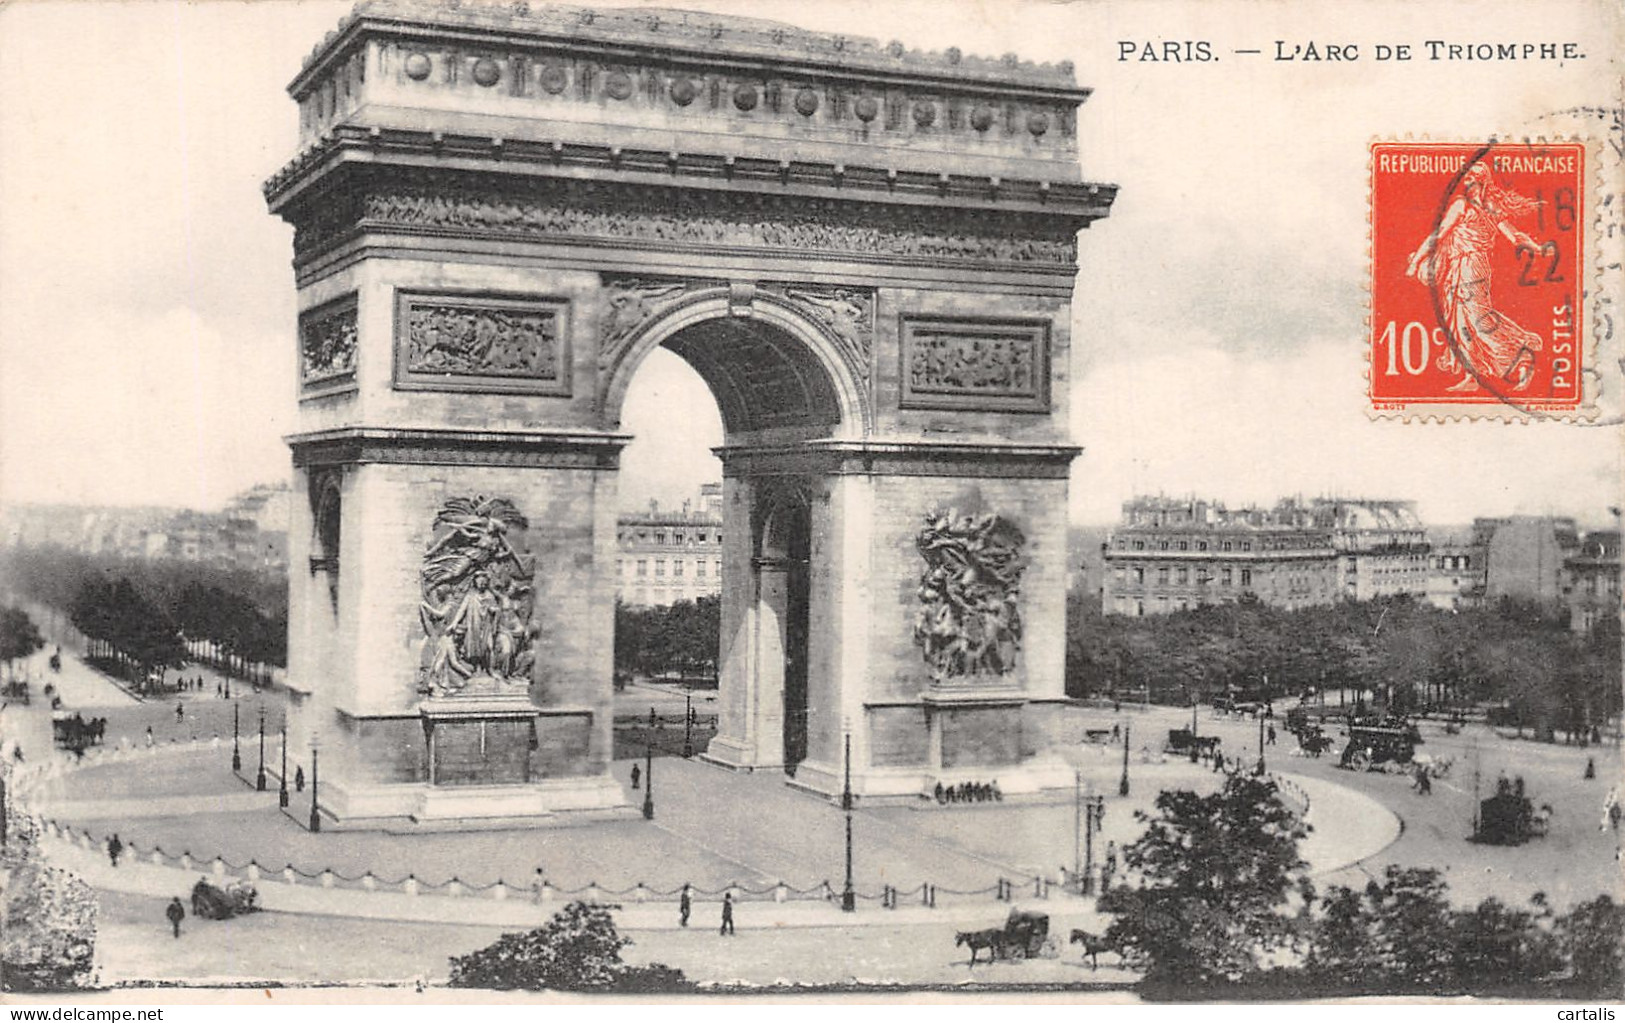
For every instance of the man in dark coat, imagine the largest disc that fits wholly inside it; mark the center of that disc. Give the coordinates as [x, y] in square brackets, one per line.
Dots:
[727, 914]
[115, 849]
[176, 913]
[685, 906]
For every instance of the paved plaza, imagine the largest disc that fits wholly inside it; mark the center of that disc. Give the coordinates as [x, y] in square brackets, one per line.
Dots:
[716, 828]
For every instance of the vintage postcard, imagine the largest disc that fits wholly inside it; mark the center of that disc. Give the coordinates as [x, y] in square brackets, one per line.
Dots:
[1116, 501]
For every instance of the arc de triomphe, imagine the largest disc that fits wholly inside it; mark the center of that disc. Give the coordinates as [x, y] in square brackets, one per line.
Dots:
[867, 252]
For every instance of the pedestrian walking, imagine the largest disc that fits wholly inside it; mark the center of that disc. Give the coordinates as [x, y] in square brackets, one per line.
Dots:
[1591, 769]
[115, 849]
[685, 906]
[150, 739]
[299, 779]
[176, 913]
[727, 914]
[217, 689]
[1117, 732]
[180, 712]
[1269, 736]
[539, 884]
[637, 775]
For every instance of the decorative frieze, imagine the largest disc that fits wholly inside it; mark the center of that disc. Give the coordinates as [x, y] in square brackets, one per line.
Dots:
[481, 343]
[679, 220]
[973, 364]
[328, 337]
[969, 623]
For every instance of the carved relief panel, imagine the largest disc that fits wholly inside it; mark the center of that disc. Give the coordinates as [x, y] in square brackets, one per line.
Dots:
[477, 601]
[327, 346]
[982, 365]
[481, 343]
[969, 622]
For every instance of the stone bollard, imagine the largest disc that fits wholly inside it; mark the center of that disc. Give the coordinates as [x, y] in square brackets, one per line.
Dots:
[547, 891]
[157, 858]
[592, 892]
[369, 882]
[410, 885]
[327, 879]
[253, 872]
[640, 893]
[218, 868]
[781, 892]
[288, 875]
[500, 890]
[186, 862]
[454, 888]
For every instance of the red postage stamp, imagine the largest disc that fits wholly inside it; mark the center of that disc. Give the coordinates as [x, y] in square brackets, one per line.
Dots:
[1478, 271]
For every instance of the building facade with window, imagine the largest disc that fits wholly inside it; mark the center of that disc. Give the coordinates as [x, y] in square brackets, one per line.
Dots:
[1174, 554]
[664, 556]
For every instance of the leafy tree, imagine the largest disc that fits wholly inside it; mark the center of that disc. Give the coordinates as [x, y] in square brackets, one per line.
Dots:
[1495, 943]
[578, 950]
[1592, 939]
[1219, 870]
[49, 924]
[18, 637]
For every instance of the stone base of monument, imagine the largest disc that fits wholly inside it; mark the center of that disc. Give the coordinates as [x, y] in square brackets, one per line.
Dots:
[725, 752]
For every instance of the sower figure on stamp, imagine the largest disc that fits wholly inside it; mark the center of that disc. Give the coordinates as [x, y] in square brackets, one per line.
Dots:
[1455, 261]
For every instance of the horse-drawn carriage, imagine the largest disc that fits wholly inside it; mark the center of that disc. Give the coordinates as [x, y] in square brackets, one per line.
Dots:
[1386, 747]
[234, 899]
[1183, 742]
[1025, 935]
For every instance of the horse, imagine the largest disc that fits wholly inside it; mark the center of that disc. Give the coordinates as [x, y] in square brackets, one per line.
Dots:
[1093, 945]
[991, 939]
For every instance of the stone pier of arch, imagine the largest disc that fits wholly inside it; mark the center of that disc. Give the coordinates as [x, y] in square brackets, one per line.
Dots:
[867, 252]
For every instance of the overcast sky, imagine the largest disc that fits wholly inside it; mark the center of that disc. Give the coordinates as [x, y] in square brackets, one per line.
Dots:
[147, 300]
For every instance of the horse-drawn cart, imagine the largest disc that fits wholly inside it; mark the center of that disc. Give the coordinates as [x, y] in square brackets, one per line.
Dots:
[1025, 935]
[213, 903]
[1182, 741]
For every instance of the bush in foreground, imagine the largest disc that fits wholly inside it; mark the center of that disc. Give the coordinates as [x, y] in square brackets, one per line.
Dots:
[578, 950]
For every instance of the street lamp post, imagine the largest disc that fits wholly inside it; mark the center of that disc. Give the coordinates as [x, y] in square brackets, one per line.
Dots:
[1077, 828]
[236, 747]
[1095, 810]
[688, 723]
[282, 790]
[315, 814]
[1260, 747]
[1194, 748]
[849, 898]
[649, 779]
[259, 779]
[1122, 785]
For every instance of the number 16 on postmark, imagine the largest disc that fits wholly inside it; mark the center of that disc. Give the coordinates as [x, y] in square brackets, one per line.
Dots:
[1478, 271]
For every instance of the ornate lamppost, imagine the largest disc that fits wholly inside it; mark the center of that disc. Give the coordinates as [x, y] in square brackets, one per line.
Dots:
[236, 747]
[1095, 810]
[849, 897]
[649, 779]
[282, 789]
[259, 779]
[688, 723]
[315, 813]
[1260, 771]
[1122, 785]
